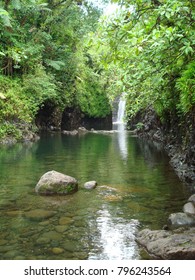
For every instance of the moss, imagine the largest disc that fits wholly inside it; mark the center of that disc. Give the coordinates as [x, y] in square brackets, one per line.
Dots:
[71, 188]
[58, 189]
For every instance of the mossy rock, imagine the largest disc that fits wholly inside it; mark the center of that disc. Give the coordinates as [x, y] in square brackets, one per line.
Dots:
[53, 182]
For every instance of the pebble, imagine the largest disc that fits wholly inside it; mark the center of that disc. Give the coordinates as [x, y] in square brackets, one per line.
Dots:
[70, 246]
[51, 235]
[90, 185]
[10, 254]
[57, 250]
[65, 221]
[61, 228]
[42, 240]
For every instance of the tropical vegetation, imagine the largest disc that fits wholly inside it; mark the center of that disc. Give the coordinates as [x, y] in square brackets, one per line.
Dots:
[71, 54]
[43, 58]
[149, 46]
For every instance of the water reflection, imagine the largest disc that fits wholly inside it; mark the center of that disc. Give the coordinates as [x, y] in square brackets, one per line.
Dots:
[115, 239]
[121, 139]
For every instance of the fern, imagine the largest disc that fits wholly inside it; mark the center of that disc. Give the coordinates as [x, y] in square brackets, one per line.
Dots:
[57, 65]
[16, 4]
[5, 18]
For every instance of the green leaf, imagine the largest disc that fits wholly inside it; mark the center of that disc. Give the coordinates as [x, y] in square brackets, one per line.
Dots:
[16, 4]
[57, 65]
[2, 96]
[5, 18]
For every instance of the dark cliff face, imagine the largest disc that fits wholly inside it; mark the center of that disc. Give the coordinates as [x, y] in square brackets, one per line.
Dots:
[73, 118]
[50, 117]
[98, 123]
[176, 133]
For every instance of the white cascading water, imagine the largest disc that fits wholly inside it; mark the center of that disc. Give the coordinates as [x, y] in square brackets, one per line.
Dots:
[121, 109]
[119, 125]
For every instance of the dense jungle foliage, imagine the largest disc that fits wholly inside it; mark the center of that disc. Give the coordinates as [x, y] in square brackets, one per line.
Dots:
[43, 57]
[72, 54]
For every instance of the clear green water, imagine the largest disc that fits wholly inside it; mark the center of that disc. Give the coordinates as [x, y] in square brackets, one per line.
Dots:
[140, 190]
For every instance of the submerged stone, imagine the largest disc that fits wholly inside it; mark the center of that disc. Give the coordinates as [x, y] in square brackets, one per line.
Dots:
[70, 246]
[54, 182]
[39, 214]
[65, 220]
[61, 228]
[57, 250]
[14, 213]
[52, 235]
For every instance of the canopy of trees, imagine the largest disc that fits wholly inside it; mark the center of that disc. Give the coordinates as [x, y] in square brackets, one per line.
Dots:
[147, 50]
[43, 58]
[150, 46]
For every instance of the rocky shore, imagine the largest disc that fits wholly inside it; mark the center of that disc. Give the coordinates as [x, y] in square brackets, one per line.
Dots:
[176, 136]
[177, 238]
[169, 245]
[20, 132]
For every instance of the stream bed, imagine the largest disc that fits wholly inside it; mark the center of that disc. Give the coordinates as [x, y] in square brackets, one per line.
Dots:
[137, 188]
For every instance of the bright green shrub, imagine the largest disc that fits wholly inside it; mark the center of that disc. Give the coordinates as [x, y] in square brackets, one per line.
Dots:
[186, 87]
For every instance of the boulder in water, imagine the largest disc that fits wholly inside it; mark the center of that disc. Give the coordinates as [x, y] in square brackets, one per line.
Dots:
[90, 185]
[53, 182]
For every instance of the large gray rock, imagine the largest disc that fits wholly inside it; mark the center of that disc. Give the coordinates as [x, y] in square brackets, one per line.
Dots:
[54, 182]
[180, 219]
[168, 245]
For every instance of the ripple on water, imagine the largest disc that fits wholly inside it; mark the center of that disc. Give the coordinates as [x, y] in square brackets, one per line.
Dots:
[116, 240]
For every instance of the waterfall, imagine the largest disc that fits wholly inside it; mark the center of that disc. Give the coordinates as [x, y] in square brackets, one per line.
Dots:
[121, 109]
[120, 126]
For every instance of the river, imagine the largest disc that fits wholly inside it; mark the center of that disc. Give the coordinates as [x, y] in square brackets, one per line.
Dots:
[137, 188]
